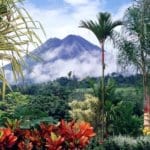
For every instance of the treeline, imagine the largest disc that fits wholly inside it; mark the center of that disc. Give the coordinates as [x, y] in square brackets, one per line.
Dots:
[57, 86]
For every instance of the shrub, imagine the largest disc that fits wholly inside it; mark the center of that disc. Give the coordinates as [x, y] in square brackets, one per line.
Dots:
[86, 110]
[124, 121]
[127, 143]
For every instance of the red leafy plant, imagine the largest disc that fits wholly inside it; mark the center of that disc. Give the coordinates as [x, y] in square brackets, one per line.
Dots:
[54, 142]
[76, 134]
[7, 138]
[64, 135]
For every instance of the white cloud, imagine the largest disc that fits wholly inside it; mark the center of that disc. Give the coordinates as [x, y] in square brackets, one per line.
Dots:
[85, 65]
[51, 53]
[77, 2]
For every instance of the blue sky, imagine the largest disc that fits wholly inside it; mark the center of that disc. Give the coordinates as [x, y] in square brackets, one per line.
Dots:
[110, 5]
[62, 17]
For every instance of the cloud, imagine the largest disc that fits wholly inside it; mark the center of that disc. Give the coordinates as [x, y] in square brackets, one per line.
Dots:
[86, 64]
[51, 53]
[9, 76]
[77, 2]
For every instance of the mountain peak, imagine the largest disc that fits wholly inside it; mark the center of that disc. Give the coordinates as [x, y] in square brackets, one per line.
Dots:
[72, 36]
[78, 40]
[59, 56]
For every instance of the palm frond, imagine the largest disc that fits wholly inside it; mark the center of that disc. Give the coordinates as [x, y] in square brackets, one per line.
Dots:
[104, 26]
[17, 33]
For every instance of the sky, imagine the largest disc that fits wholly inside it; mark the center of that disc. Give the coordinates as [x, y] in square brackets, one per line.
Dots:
[62, 17]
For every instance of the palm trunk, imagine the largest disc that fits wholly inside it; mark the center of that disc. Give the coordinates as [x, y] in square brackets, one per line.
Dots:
[146, 85]
[3, 85]
[103, 89]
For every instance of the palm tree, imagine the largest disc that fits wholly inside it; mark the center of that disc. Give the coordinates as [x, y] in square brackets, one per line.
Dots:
[102, 29]
[134, 48]
[17, 34]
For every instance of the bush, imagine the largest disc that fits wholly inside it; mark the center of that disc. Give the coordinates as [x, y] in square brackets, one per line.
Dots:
[11, 102]
[124, 121]
[86, 110]
[95, 144]
[127, 143]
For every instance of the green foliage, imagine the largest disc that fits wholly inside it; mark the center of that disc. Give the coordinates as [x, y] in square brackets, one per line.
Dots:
[95, 144]
[131, 95]
[49, 101]
[79, 94]
[124, 121]
[47, 89]
[12, 101]
[41, 109]
[127, 143]
[136, 52]
[33, 109]
[50, 105]
[28, 124]
[103, 27]
[45, 100]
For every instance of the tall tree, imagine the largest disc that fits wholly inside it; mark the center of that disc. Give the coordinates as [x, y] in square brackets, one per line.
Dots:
[17, 34]
[134, 46]
[102, 29]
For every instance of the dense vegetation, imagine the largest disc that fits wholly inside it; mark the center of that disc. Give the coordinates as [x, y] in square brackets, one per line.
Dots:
[50, 102]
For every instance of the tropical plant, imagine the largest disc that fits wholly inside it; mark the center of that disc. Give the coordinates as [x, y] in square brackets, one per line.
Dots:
[48, 106]
[64, 135]
[14, 103]
[134, 48]
[123, 121]
[127, 143]
[76, 134]
[86, 110]
[17, 33]
[7, 138]
[102, 29]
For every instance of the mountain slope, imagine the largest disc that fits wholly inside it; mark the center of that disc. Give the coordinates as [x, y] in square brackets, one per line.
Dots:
[58, 57]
